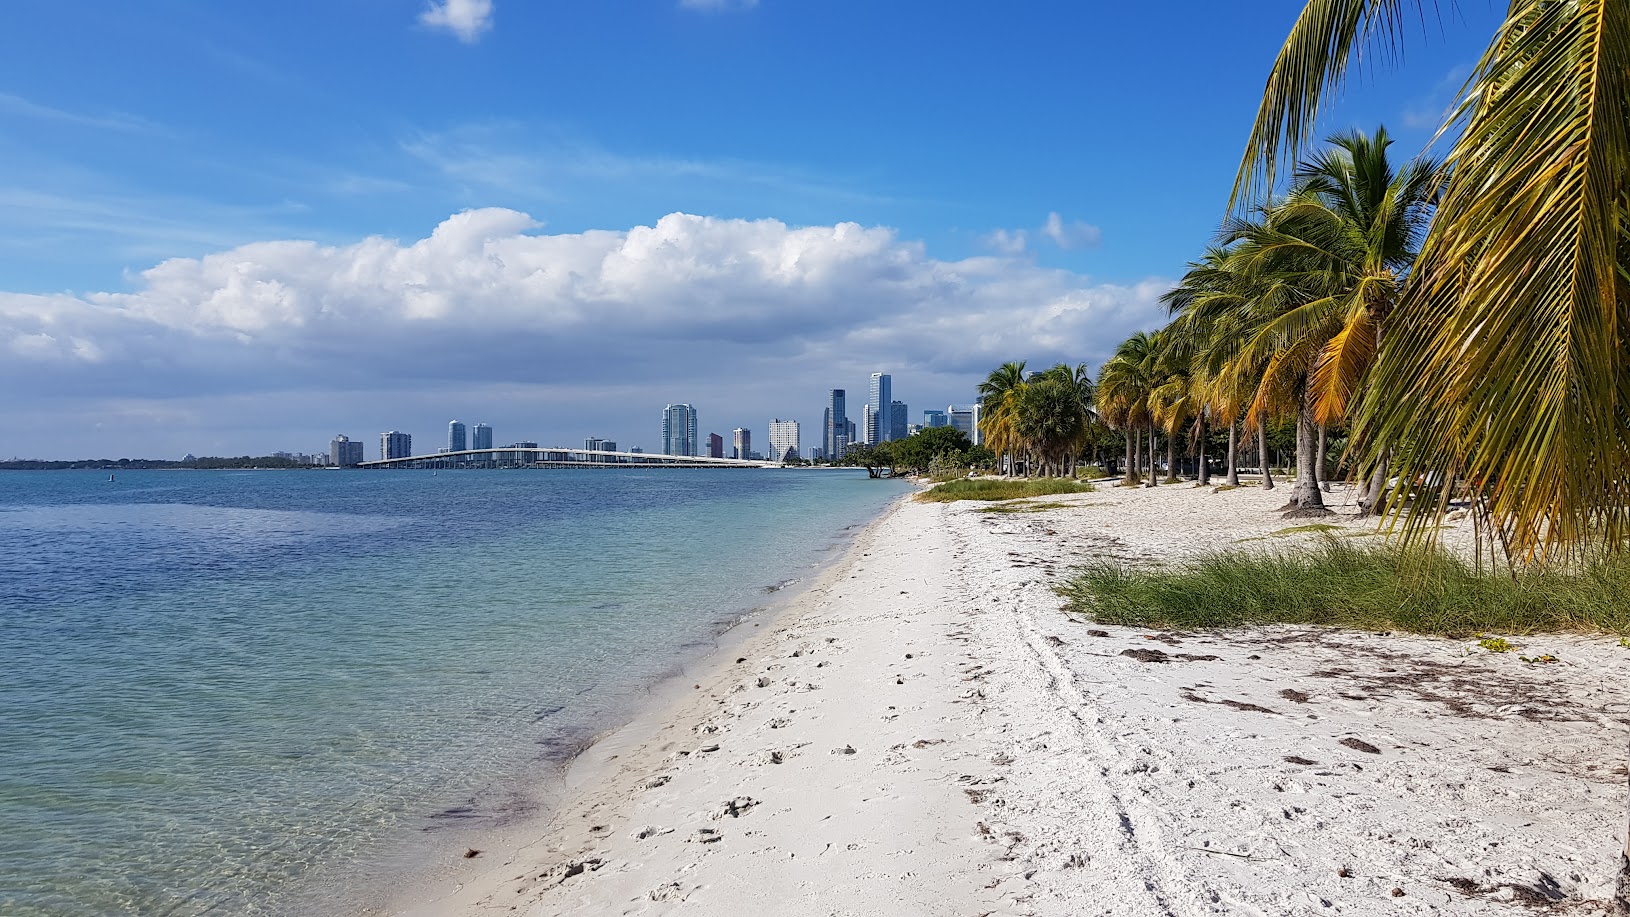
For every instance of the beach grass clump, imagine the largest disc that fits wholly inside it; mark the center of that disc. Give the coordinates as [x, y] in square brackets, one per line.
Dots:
[1003, 489]
[1027, 507]
[1371, 586]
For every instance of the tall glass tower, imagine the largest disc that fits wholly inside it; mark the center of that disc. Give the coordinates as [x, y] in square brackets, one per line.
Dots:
[836, 435]
[455, 437]
[481, 436]
[679, 430]
[879, 399]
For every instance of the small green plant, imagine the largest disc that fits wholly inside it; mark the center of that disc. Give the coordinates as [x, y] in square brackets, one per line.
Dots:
[1544, 658]
[1025, 507]
[1003, 489]
[1496, 644]
[1624, 642]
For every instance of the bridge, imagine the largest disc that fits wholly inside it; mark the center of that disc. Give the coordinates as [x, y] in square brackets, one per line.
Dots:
[557, 457]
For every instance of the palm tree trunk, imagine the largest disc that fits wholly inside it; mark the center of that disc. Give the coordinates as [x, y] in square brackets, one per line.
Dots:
[1233, 455]
[1262, 450]
[1319, 472]
[1171, 459]
[1130, 478]
[1154, 470]
[1306, 494]
[1373, 502]
[1203, 470]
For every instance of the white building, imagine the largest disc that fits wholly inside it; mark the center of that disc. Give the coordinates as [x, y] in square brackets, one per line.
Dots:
[784, 443]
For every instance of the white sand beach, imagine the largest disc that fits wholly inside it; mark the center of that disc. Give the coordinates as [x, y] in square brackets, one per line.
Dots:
[924, 732]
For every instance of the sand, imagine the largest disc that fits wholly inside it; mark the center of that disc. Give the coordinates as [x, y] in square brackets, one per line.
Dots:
[923, 731]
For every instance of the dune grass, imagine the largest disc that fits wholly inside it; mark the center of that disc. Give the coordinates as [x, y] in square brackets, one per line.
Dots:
[1003, 489]
[1366, 587]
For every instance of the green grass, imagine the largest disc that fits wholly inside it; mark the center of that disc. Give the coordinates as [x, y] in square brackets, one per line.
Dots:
[1028, 507]
[1367, 587]
[1003, 489]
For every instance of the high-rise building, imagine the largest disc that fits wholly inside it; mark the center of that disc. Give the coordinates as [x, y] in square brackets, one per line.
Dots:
[962, 417]
[878, 398]
[679, 430]
[932, 419]
[395, 445]
[835, 425]
[897, 420]
[594, 444]
[481, 436]
[784, 443]
[715, 445]
[342, 451]
[870, 430]
[742, 439]
[455, 437]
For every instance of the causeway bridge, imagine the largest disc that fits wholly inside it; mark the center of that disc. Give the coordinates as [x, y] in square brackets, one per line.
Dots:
[560, 457]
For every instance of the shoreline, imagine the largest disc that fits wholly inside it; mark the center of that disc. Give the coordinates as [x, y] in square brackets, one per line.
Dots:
[420, 872]
[922, 731]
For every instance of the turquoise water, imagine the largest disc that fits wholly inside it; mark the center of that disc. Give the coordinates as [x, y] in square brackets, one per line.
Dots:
[215, 686]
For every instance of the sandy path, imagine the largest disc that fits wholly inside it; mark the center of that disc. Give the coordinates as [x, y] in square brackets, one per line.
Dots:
[924, 732]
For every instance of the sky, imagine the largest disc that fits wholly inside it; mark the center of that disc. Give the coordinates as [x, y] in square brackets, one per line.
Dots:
[231, 228]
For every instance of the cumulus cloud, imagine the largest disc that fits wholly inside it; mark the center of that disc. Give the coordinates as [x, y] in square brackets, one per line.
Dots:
[465, 18]
[1074, 234]
[607, 324]
[1070, 235]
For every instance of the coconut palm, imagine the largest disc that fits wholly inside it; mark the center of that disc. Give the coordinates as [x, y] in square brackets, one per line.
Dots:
[1124, 383]
[1328, 261]
[998, 403]
[1504, 367]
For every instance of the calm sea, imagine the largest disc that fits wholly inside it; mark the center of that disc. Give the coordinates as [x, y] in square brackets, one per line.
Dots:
[215, 686]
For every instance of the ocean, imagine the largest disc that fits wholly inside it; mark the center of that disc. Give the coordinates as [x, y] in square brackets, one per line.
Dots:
[221, 689]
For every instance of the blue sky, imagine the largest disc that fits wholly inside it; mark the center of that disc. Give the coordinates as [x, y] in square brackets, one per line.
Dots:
[218, 219]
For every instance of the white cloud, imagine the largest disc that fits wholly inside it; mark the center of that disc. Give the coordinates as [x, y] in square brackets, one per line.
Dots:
[465, 18]
[1068, 236]
[1074, 234]
[1008, 241]
[753, 316]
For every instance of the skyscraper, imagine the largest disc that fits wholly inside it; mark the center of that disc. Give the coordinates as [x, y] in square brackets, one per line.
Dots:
[836, 424]
[455, 437]
[871, 430]
[742, 438]
[784, 443]
[343, 452]
[395, 445]
[594, 444]
[932, 418]
[715, 445]
[962, 417]
[679, 430]
[897, 420]
[878, 398]
[481, 436]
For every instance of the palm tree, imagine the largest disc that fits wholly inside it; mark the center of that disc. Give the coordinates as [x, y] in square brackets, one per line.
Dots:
[1326, 264]
[1051, 419]
[998, 402]
[1124, 384]
[1505, 370]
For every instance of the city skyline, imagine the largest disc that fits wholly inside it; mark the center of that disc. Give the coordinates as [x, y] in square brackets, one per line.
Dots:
[190, 270]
